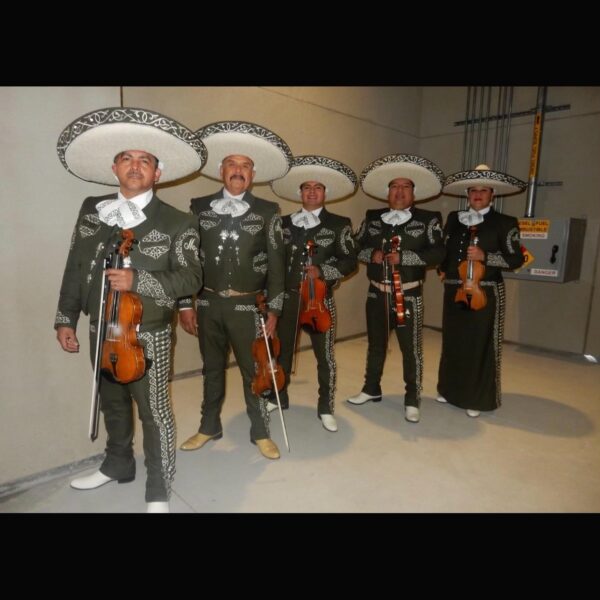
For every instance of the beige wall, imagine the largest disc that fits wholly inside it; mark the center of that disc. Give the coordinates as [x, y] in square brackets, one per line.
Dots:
[45, 392]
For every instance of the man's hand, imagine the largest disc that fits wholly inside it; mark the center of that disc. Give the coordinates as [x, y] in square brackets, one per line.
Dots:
[271, 325]
[67, 339]
[189, 321]
[475, 253]
[377, 256]
[392, 258]
[121, 280]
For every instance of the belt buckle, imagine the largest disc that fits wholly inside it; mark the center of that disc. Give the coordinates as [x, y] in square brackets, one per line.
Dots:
[224, 293]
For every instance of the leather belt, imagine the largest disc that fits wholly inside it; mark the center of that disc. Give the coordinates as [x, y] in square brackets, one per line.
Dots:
[229, 292]
[382, 287]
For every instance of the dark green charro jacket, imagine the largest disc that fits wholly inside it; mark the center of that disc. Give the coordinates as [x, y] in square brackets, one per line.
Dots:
[242, 253]
[498, 237]
[165, 260]
[422, 243]
[335, 252]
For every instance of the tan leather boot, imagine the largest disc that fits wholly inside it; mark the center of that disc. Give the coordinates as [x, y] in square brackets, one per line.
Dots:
[267, 448]
[198, 440]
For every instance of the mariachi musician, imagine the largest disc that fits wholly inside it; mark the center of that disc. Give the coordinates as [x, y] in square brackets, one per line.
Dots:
[137, 148]
[401, 240]
[319, 252]
[241, 249]
[469, 373]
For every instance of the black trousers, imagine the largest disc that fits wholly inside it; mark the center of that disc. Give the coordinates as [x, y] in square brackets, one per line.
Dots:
[410, 339]
[151, 393]
[323, 349]
[223, 322]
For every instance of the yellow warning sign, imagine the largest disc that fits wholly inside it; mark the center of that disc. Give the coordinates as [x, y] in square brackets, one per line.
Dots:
[534, 229]
[529, 258]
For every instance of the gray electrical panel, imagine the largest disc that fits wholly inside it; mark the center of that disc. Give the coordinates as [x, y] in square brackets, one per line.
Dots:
[553, 249]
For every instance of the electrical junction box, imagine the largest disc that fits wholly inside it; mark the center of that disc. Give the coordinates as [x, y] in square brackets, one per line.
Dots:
[553, 249]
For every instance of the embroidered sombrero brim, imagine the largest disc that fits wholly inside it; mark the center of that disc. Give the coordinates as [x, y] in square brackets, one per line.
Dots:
[338, 179]
[269, 153]
[87, 147]
[503, 184]
[426, 176]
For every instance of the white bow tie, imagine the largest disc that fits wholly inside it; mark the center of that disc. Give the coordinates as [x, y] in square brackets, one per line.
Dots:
[229, 206]
[396, 217]
[470, 217]
[124, 213]
[305, 219]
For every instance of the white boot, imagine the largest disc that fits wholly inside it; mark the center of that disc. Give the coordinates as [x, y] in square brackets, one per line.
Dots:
[158, 507]
[441, 399]
[329, 422]
[412, 414]
[362, 397]
[91, 482]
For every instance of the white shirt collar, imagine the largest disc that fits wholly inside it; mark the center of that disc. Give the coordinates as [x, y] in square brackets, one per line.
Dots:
[472, 217]
[396, 217]
[315, 212]
[226, 194]
[141, 200]
[306, 218]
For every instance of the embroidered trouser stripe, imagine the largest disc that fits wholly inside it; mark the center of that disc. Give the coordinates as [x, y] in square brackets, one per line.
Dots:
[158, 349]
[498, 335]
[151, 394]
[410, 339]
[323, 348]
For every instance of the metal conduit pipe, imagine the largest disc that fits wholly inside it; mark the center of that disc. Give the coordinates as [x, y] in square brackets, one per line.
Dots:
[538, 126]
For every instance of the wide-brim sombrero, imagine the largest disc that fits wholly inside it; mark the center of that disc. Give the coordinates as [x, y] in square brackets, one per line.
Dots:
[457, 184]
[426, 176]
[271, 156]
[87, 147]
[339, 179]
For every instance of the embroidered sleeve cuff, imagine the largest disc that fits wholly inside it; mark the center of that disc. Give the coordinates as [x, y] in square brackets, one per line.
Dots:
[276, 305]
[365, 255]
[495, 259]
[185, 303]
[63, 320]
[412, 259]
[330, 272]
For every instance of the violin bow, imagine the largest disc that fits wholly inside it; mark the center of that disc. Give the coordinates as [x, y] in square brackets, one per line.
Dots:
[264, 332]
[386, 295]
[298, 319]
[100, 333]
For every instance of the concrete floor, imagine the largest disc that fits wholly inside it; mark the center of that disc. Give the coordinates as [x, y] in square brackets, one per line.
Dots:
[538, 453]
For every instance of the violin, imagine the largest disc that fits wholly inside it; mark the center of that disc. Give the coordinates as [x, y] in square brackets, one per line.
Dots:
[265, 352]
[397, 285]
[471, 272]
[314, 315]
[123, 358]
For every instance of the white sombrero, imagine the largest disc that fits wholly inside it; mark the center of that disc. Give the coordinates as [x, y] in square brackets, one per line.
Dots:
[503, 184]
[87, 147]
[339, 179]
[269, 153]
[426, 176]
